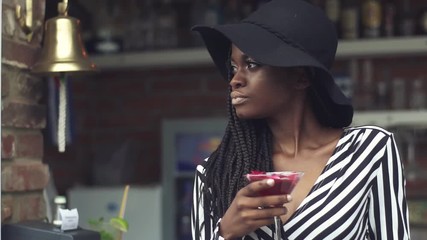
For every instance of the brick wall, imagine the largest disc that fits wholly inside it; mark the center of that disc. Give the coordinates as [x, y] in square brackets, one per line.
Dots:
[115, 108]
[23, 174]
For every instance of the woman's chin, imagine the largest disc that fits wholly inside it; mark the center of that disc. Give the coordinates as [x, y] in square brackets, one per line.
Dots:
[247, 115]
[241, 115]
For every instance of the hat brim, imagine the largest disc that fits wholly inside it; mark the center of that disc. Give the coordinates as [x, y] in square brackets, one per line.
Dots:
[269, 49]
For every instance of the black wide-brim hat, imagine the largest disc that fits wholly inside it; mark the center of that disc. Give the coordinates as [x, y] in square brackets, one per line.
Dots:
[286, 33]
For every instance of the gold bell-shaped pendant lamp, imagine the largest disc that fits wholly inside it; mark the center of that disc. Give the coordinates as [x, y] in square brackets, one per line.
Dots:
[62, 54]
[63, 50]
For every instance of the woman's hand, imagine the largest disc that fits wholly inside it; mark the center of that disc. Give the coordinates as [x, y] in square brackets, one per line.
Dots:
[249, 211]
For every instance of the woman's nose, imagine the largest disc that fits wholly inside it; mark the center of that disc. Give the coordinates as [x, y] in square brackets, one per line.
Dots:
[237, 81]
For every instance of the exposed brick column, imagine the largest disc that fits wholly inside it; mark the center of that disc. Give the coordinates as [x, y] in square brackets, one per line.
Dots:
[23, 174]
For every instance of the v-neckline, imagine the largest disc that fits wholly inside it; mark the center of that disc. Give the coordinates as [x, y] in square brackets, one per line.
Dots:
[316, 184]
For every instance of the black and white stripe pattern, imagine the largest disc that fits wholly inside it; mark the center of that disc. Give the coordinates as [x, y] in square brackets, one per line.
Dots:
[359, 195]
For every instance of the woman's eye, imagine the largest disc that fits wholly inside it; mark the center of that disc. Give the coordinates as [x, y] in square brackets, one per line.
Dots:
[233, 69]
[248, 65]
[251, 64]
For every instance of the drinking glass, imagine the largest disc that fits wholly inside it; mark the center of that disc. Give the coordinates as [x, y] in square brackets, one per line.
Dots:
[284, 183]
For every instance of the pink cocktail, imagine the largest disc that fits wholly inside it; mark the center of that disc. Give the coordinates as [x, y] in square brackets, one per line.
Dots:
[284, 182]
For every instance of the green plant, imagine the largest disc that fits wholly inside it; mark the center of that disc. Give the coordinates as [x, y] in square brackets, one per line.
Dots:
[109, 230]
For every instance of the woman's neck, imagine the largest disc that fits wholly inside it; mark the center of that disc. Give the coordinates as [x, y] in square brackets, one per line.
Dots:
[293, 133]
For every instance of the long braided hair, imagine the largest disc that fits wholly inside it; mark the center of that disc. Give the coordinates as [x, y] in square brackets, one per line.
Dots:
[246, 145]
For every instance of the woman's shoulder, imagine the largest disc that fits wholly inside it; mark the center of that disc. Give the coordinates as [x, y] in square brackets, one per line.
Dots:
[368, 129]
[367, 134]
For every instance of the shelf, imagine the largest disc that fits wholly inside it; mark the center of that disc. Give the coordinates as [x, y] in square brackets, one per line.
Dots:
[382, 47]
[388, 119]
[408, 46]
[161, 58]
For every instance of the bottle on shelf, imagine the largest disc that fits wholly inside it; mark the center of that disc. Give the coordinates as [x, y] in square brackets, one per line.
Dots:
[422, 21]
[367, 91]
[132, 30]
[165, 29]
[406, 20]
[353, 73]
[148, 19]
[107, 37]
[382, 96]
[398, 93]
[213, 13]
[184, 22]
[204, 13]
[363, 84]
[418, 98]
[389, 18]
[350, 18]
[382, 93]
[371, 18]
[197, 18]
[140, 30]
[333, 11]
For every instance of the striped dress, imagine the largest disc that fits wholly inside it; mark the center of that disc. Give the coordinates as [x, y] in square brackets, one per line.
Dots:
[360, 194]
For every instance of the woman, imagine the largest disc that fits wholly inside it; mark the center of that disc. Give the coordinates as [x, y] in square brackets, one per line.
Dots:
[286, 113]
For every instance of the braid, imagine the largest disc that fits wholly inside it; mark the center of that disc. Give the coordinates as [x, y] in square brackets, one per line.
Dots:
[245, 146]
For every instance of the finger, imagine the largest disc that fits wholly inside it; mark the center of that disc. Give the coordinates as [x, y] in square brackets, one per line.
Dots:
[273, 200]
[244, 202]
[253, 188]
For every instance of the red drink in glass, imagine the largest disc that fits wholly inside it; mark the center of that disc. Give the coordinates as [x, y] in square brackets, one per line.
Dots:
[284, 182]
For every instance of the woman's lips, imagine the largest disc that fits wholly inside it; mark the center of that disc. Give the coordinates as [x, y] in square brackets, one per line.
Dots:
[238, 100]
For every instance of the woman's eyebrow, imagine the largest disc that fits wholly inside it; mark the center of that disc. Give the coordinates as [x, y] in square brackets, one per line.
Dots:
[243, 57]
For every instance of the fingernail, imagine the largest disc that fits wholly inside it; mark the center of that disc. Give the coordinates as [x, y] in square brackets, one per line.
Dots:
[270, 182]
[289, 197]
